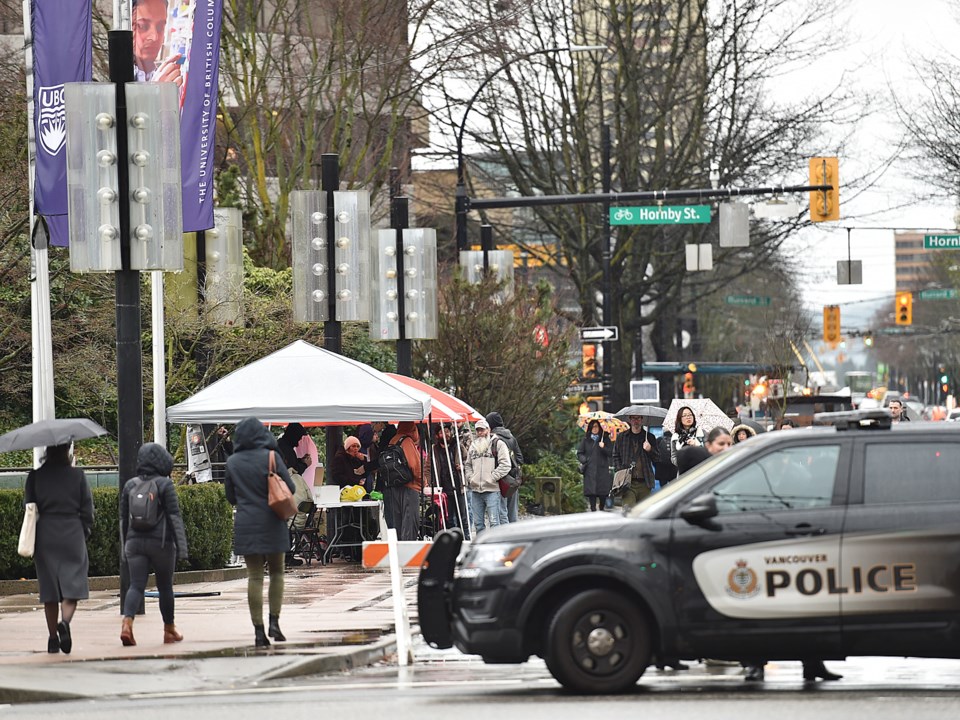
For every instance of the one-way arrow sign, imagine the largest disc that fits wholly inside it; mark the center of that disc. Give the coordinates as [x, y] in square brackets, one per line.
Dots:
[607, 333]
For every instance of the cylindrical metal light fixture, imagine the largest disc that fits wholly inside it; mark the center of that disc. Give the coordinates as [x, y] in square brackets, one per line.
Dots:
[309, 255]
[92, 181]
[153, 148]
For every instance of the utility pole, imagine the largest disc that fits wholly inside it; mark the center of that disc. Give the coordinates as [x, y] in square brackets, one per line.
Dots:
[400, 221]
[332, 335]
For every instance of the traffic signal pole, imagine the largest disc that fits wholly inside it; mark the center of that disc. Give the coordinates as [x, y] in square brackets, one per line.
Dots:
[606, 253]
[640, 196]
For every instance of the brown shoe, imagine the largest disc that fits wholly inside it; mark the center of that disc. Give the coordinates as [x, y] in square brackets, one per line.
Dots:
[170, 634]
[126, 632]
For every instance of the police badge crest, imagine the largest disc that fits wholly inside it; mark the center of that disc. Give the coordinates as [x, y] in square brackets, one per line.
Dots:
[742, 582]
[51, 119]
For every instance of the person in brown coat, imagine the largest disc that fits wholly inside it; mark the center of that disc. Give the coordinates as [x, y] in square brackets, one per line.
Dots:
[402, 504]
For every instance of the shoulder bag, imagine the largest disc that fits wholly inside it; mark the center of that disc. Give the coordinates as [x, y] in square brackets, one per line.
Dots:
[279, 496]
[28, 531]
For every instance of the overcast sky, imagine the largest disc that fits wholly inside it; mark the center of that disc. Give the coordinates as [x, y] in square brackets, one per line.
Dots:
[891, 32]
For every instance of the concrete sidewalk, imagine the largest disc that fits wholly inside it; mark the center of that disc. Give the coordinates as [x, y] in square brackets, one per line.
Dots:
[335, 617]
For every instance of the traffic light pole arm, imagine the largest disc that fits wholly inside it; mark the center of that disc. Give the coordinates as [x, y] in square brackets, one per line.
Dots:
[644, 195]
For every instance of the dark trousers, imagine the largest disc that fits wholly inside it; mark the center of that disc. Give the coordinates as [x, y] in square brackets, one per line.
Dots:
[401, 505]
[141, 555]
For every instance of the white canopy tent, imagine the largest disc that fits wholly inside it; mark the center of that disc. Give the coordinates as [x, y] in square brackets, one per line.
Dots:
[306, 384]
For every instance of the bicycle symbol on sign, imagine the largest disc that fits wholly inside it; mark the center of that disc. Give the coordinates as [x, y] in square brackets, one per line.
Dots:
[623, 214]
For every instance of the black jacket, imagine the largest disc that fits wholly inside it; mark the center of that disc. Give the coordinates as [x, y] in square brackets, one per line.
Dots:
[153, 461]
[595, 460]
[256, 528]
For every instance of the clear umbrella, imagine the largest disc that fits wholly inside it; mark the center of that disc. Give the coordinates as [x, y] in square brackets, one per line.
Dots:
[705, 410]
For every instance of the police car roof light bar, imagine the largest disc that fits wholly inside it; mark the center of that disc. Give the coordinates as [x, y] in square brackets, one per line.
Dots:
[872, 419]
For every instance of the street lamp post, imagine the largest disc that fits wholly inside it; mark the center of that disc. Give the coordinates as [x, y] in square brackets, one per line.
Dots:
[462, 201]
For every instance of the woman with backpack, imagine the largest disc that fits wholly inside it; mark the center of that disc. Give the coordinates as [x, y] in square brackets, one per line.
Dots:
[152, 535]
[258, 533]
[401, 502]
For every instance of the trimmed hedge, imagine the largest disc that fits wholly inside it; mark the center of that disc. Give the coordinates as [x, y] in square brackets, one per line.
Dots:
[207, 517]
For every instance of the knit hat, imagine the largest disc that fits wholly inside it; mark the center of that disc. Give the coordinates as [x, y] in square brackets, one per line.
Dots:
[351, 440]
[482, 425]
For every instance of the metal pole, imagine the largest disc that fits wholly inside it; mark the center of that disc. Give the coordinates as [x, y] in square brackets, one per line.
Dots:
[639, 195]
[486, 245]
[129, 349]
[332, 337]
[399, 221]
[608, 362]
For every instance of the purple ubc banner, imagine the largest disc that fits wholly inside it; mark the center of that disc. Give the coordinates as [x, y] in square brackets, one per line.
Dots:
[62, 52]
[179, 41]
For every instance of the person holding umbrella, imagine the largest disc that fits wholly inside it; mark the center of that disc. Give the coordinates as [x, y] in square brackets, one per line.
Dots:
[636, 451]
[594, 457]
[65, 522]
[686, 432]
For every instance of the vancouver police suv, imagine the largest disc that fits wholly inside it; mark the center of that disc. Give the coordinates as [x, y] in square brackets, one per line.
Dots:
[819, 543]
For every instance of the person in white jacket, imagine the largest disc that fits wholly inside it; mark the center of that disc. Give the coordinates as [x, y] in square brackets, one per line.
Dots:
[488, 460]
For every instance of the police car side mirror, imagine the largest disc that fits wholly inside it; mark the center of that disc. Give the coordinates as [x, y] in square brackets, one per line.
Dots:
[701, 508]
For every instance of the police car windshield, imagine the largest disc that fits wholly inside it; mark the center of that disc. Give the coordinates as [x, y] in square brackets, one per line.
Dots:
[655, 502]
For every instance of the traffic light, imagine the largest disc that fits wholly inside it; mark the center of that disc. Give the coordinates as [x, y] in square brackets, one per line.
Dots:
[589, 356]
[831, 324]
[688, 387]
[825, 204]
[594, 403]
[904, 309]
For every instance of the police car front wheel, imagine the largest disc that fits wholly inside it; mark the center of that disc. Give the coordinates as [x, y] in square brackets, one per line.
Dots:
[598, 642]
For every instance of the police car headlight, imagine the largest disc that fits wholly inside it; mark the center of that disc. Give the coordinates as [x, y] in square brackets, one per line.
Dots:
[496, 557]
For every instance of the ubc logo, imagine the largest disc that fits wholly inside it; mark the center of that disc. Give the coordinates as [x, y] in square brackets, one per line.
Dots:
[51, 119]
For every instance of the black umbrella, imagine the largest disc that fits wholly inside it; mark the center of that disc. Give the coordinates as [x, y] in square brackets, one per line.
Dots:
[58, 431]
[651, 414]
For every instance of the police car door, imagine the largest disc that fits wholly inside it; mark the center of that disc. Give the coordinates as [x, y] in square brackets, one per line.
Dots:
[759, 579]
[901, 546]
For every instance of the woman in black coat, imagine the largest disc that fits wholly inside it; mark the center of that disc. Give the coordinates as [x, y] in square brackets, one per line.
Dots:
[594, 457]
[159, 546]
[258, 534]
[64, 522]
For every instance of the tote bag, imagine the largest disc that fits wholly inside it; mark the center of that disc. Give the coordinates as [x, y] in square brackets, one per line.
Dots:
[279, 496]
[28, 531]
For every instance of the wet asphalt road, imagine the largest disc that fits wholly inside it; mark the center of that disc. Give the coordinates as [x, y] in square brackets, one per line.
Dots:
[449, 685]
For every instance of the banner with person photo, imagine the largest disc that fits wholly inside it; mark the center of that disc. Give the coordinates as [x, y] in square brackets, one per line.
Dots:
[59, 43]
[179, 41]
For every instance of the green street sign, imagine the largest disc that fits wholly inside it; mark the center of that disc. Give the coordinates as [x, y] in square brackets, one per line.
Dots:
[749, 300]
[941, 242]
[660, 215]
[939, 294]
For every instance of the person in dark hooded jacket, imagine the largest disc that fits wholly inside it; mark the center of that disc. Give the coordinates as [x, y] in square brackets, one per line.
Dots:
[402, 504]
[258, 534]
[509, 506]
[159, 547]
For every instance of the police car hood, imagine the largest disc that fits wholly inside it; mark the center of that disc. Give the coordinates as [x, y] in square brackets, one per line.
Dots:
[590, 523]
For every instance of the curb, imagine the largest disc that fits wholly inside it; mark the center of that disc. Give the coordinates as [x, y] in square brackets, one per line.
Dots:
[298, 667]
[340, 662]
[18, 696]
[112, 582]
